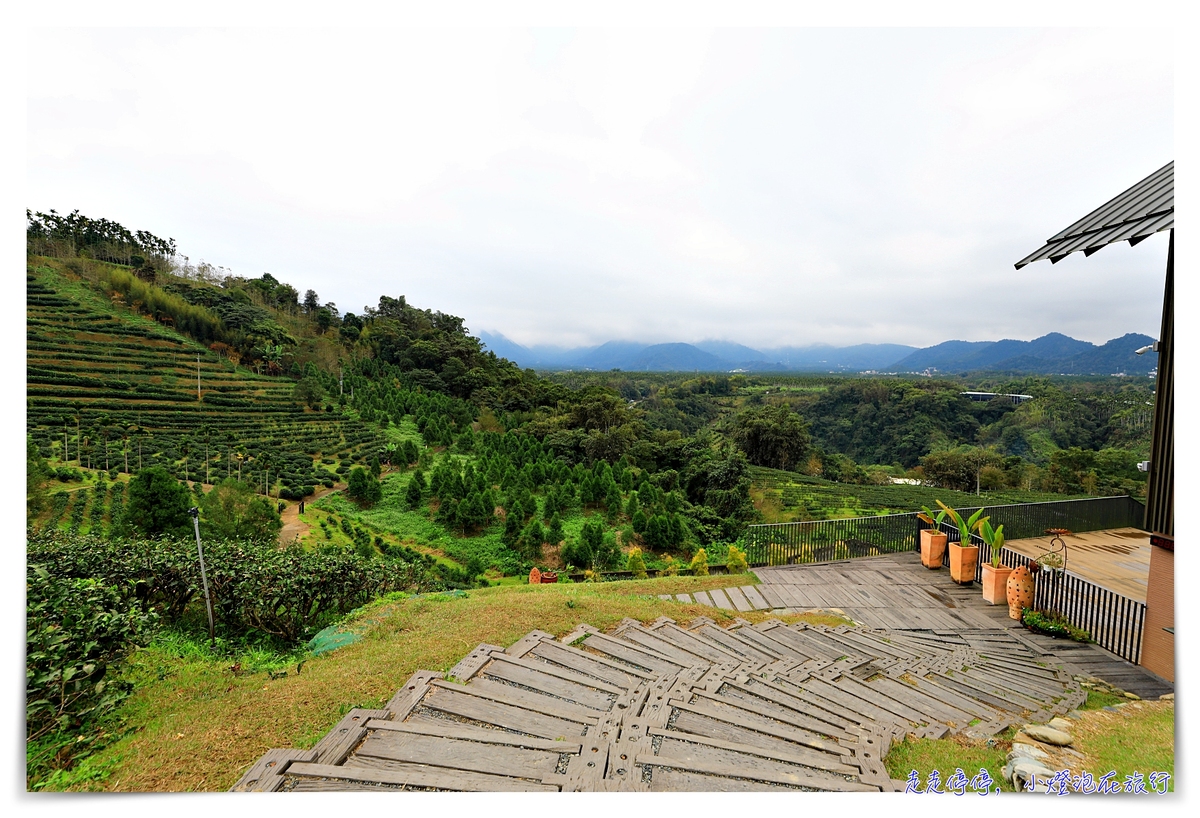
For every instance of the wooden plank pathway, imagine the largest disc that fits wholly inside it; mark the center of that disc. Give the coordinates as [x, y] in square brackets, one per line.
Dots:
[663, 707]
[895, 591]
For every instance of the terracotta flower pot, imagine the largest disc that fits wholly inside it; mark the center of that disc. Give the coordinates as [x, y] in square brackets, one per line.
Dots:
[933, 548]
[963, 559]
[1019, 591]
[995, 583]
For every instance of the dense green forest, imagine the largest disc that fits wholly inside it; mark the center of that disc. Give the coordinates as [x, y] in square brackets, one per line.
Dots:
[426, 463]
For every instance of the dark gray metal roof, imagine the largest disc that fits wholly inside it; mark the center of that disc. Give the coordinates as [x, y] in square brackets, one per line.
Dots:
[1137, 214]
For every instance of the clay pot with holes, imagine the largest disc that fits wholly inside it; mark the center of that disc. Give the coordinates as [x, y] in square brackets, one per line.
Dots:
[1019, 592]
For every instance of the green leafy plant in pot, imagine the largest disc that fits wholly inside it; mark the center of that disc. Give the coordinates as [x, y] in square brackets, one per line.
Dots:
[933, 539]
[994, 576]
[963, 555]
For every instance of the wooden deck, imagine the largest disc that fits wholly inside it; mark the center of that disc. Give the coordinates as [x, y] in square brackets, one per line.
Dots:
[665, 707]
[1117, 559]
[896, 591]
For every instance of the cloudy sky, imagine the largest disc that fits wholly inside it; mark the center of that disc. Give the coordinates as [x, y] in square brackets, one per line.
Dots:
[769, 186]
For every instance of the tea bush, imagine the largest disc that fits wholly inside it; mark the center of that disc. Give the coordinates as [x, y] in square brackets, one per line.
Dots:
[284, 593]
[76, 632]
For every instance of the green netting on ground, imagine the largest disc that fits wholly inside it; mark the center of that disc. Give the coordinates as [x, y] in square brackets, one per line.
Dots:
[331, 639]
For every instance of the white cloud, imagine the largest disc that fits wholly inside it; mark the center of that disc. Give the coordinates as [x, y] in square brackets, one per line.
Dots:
[768, 186]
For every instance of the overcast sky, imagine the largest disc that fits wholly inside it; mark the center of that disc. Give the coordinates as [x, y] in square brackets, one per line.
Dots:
[766, 186]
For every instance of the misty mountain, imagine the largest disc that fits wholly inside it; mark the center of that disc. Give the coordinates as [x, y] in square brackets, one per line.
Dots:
[826, 358]
[730, 351]
[1049, 355]
[1053, 353]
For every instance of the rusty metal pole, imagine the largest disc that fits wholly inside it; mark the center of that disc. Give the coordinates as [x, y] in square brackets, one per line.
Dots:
[195, 512]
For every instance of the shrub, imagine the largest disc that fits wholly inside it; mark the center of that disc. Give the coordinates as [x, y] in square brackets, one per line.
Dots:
[736, 561]
[232, 511]
[284, 593]
[1052, 625]
[76, 632]
[699, 564]
[636, 563]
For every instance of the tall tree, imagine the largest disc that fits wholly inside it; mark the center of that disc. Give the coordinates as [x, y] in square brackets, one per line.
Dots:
[772, 436]
[233, 511]
[158, 503]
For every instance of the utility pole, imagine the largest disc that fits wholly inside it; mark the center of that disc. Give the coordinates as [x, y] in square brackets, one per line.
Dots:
[195, 512]
[340, 390]
[198, 376]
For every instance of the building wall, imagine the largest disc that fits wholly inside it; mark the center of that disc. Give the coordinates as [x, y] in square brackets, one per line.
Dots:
[1158, 646]
[1160, 493]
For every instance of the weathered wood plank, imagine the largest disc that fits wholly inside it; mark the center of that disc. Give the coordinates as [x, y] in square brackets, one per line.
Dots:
[338, 742]
[470, 732]
[538, 665]
[406, 697]
[752, 772]
[668, 779]
[507, 716]
[772, 708]
[456, 754]
[527, 699]
[741, 647]
[416, 775]
[739, 599]
[551, 685]
[266, 774]
[638, 656]
[814, 718]
[771, 594]
[690, 724]
[755, 597]
[720, 600]
[469, 665]
[527, 642]
[695, 644]
[660, 645]
[741, 717]
[615, 673]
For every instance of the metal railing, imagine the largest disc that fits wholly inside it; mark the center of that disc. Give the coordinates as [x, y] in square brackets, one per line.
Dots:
[1024, 520]
[1113, 621]
[823, 540]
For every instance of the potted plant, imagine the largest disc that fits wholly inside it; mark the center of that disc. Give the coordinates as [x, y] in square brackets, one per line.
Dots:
[933, 540]
[963, 555]
[995, 575]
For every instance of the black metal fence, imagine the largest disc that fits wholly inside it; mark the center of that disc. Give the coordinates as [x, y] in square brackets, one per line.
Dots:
[823, 540]
[1093, 514]
[1114, 622]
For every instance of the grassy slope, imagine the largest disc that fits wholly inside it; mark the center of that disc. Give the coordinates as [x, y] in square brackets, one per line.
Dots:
[200, 727]
[1138, 737]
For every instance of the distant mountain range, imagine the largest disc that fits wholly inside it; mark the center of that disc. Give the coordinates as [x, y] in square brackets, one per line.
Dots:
[1051, 354]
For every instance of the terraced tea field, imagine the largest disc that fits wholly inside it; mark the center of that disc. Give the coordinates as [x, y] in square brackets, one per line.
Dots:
[787, 497]
[119, 390]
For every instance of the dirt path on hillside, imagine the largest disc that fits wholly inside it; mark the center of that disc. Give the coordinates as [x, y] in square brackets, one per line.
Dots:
[293, 527]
